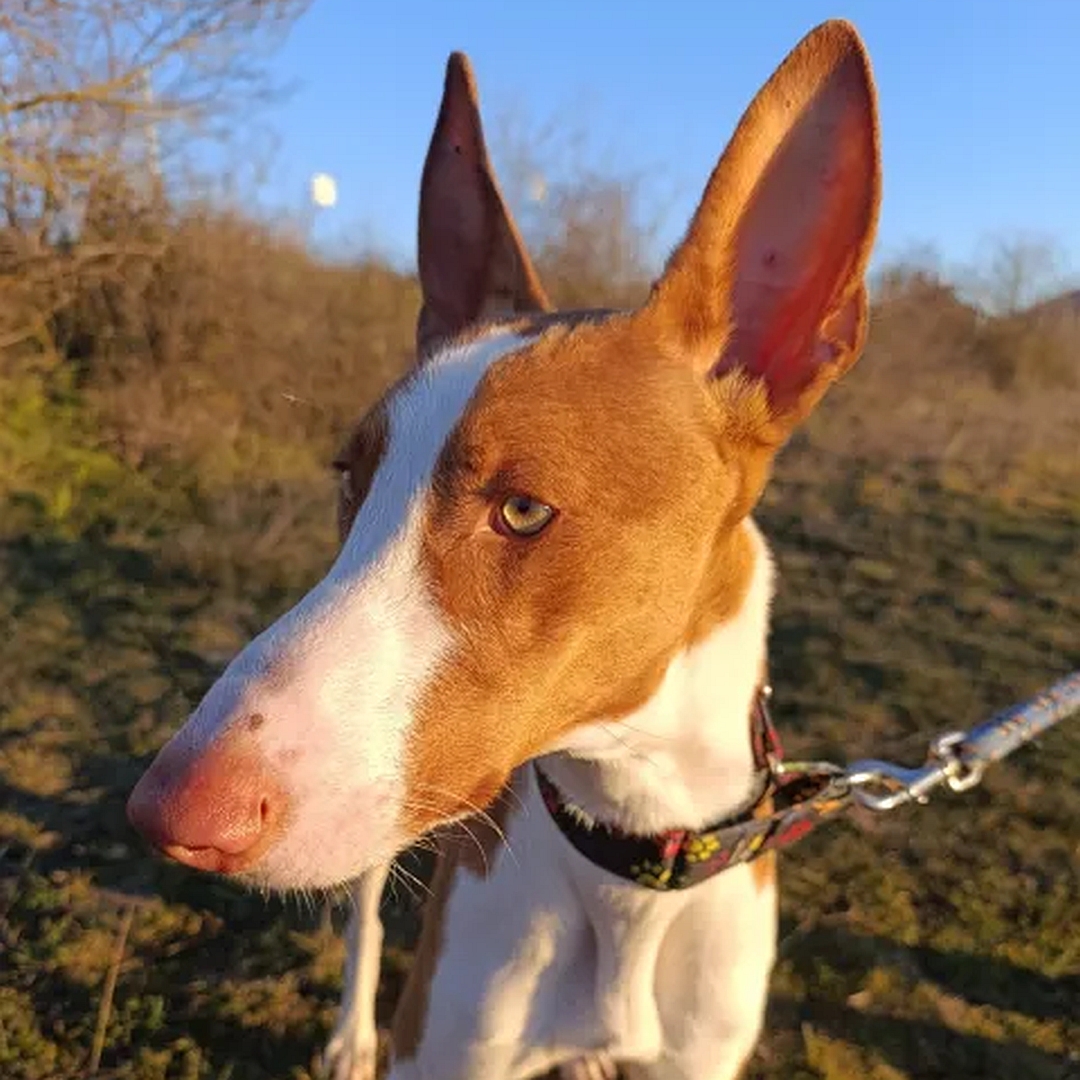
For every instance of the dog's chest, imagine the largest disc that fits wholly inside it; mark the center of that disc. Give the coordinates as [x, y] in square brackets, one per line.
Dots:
[572, 959]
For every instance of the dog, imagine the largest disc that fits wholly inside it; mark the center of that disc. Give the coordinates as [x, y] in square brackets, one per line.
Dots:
[547, 621]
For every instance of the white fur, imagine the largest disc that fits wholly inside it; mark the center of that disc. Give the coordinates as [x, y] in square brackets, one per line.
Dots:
[551, 959]
[336, 677]
[352, 1051]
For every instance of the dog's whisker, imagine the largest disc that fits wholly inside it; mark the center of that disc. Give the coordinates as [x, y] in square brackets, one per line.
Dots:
[410, 880]
[478, 811]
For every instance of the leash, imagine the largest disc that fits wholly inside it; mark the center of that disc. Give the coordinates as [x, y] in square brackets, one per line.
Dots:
[795, 797]
[959, 759]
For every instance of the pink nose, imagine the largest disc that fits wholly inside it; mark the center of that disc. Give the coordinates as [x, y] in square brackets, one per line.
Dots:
[218, 809]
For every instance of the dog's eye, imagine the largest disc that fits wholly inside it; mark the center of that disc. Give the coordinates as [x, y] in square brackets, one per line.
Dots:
[523, 516]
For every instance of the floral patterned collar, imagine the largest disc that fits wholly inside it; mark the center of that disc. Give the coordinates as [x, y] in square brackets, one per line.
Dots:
[789, 801]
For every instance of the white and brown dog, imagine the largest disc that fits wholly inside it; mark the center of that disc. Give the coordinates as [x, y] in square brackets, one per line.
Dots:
[551, 603]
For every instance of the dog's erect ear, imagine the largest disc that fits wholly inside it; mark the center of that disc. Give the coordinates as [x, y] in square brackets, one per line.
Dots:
[769, 281]
[472, 260]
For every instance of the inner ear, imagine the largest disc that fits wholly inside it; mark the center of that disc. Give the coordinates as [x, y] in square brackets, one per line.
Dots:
[802, 245]
[769, 280]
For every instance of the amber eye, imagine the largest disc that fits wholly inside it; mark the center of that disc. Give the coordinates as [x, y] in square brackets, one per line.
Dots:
[523, 516]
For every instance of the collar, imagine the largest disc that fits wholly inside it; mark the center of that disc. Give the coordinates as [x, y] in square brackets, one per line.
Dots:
[788, 802]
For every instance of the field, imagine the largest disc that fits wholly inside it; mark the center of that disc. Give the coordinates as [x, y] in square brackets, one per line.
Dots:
[159, 507]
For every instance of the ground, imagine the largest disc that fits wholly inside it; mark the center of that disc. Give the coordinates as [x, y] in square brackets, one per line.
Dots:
[940, 941]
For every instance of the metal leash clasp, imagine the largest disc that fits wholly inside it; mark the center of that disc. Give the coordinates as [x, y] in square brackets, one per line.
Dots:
[961, 772]
[883, 785]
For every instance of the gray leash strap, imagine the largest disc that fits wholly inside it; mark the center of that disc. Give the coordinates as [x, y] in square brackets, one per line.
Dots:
[959, 759]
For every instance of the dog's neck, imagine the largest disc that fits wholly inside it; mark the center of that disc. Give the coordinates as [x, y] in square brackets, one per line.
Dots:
[684, 759]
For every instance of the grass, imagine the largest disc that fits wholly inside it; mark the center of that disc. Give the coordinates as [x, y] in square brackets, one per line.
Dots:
[939, 941]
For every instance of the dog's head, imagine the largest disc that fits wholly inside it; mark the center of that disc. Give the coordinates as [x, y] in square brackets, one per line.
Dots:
[548, 508]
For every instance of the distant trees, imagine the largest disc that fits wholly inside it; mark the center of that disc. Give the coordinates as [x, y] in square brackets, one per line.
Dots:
[590, 228]
[1022, 337]
[95, 96]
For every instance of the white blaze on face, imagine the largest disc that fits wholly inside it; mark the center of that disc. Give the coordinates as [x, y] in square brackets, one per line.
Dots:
[336, 677]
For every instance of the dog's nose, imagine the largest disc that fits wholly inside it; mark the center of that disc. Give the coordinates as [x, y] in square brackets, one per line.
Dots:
[218, 809]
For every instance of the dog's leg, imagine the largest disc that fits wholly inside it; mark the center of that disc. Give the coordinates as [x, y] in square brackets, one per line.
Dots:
[712, 982]
[351, 1051]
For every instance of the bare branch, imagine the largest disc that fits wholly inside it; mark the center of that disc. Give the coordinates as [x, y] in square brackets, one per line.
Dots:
[101, 103]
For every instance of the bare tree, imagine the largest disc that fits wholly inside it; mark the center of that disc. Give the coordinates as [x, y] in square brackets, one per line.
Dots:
[1016, 274]
[93, 94]
[1018, 343]
[590, 227]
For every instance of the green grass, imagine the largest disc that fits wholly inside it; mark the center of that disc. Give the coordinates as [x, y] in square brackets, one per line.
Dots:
[939, 941]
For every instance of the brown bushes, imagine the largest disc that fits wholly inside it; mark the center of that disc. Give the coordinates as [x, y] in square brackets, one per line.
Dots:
[220, 344]
[239, 332]
[942, 382]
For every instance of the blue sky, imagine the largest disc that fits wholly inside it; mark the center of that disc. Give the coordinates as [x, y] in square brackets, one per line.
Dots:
[980, 103]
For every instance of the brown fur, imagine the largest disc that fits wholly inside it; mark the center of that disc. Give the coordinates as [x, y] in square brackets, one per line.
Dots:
[358, 462]
[411, 1012]
[569, 648]
[783, 235]
[763, 868]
